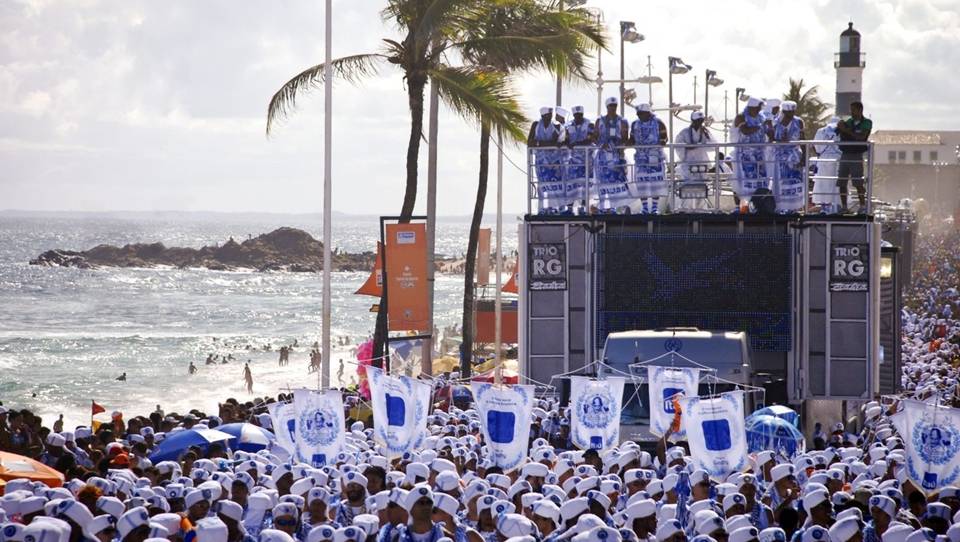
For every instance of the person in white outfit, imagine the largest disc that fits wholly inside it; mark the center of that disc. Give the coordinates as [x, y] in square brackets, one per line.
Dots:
[694, 156]
[826, 193]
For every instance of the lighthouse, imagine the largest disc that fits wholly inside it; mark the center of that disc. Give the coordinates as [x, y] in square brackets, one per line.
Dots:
[849, 64]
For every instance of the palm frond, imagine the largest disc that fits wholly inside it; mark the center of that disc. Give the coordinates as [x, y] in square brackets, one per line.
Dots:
[481, 94]
[351, 68]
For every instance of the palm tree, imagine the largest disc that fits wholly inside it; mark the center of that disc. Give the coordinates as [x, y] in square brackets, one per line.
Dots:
[508, 37]
[429, 27]
[814, 111]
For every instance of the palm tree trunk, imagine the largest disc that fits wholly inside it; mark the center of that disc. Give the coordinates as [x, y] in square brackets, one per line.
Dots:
[415, 87]
[469, 266]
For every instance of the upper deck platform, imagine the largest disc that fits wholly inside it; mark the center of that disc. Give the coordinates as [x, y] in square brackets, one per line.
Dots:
[712, 181]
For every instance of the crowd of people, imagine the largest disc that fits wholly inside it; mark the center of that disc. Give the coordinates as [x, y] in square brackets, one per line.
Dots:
[581, 165]
[851, 486]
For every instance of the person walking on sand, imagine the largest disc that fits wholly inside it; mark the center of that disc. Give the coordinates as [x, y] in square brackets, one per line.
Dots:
[122, 378]
[248, 377]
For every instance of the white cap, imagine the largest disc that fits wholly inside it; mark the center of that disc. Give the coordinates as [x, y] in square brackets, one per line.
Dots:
[668, 528]
[815, 533]
[349, 534]
[546, 509]
[753, 102]
[814, 498]
[789, 105]
[577, 109]
[417, 493]
[56, 439]
[744, 534]
[600, 533]
[884, 503]
[274, 535]
[772, 534]
[732, 500]
[211, 530]
[545, 110]
[510, 525]
[844, 529]
[321, 532]
[696, 115]
[612, 100]
[230, 509]
[643, 107]
[641, 509]
[897, 532]
[135, 517]
[561, 112]
[781, 471]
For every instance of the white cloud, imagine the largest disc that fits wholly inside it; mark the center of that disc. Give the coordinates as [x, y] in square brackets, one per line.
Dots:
[140, 104]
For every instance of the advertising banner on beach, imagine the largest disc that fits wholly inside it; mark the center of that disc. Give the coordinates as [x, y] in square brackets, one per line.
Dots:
[716, 433]
[595, 412]
[505, 416]
[400, 408]
[406, 266]
[667, 384]
[284, 420]
[374, 284]
[320, 425]
[931, 436]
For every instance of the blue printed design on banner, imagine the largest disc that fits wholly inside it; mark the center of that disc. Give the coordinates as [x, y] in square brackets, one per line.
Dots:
[292, 429]
[596, 442]
[716, 434]
[396, 410]
[501, 426]
[319, 426]
[318, 460]
[668, 394]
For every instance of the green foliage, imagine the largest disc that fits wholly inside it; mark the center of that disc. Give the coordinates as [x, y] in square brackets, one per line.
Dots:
[814, 111]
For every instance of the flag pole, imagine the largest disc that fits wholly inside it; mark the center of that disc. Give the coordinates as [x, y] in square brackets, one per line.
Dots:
[327, 193]
[498, 310]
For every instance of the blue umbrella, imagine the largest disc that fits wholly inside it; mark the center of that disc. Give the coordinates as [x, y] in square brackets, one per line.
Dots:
[779, 411]
[247, 437]
[766, 432]
[176, 443]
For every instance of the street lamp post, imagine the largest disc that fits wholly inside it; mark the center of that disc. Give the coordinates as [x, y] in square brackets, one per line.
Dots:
[677, 67]
[711, 80]
[628, 33]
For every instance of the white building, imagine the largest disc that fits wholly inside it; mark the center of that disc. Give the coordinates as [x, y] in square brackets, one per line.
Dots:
[918, 164]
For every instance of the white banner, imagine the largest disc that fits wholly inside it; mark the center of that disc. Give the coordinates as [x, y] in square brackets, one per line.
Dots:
[665, 383]
[595, 412]
[284, 420]
[931, 436]
[505, 416]
[320, 425]
[715, 432]
[400, 409]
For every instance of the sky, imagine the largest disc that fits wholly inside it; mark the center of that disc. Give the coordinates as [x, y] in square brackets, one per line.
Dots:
[145, 105]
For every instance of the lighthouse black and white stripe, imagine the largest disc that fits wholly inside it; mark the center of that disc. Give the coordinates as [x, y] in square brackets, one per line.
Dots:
[849, 63]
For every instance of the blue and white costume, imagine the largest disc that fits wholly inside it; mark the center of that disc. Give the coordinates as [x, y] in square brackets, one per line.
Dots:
[579, 160]
[750, 172]
[788, 175]
[648, 158]
[611, 167]
[549, 179]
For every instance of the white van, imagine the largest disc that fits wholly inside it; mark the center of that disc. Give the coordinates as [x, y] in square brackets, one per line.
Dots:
[725, 351]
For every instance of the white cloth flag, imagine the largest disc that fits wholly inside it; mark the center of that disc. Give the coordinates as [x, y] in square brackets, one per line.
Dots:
[506, 413]
[400, 408]
[665, 383]
[716, 433]
[284, 420]
[595, 412]
[320, 426]
[931, 435]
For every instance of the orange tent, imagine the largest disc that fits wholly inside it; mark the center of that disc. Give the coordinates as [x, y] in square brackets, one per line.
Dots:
[374, 284]
[13, 466]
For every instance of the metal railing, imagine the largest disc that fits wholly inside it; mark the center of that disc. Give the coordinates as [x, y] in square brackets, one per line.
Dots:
[799, 177]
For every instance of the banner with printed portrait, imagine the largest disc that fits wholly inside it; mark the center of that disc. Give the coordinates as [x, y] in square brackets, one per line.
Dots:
[666, 386]
[320, 425]
[931, 436]
[715, 432]
[506, 413]
[595, 412]
[400, 408]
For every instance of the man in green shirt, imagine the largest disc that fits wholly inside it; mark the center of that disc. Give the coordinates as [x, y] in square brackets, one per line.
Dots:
[854, 129]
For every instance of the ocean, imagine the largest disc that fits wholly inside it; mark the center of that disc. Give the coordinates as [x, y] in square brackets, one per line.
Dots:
[66, 334]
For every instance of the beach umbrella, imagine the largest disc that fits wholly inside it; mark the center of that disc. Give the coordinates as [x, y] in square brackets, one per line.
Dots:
[779, 411]
[14, 466]
[766, 432]
[175, 443]
[247, 437]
